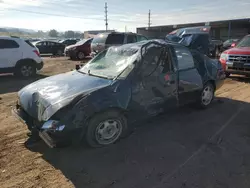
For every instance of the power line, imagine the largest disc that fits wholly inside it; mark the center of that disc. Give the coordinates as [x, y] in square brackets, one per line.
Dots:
[87, 6]
[106, 16]
[60, 15]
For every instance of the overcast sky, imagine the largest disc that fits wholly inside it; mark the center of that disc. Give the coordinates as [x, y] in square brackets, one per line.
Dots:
[82, 15]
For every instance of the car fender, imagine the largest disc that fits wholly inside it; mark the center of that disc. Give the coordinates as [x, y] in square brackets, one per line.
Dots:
[113, 97]
[26, 60]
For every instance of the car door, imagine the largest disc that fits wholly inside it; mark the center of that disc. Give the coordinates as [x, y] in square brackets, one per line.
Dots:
[154, 86]
[52, 48]
[9, 53]
[189, 80]
[42, 46]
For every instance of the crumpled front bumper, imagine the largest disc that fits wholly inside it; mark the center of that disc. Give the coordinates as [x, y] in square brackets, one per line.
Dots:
[52, 137]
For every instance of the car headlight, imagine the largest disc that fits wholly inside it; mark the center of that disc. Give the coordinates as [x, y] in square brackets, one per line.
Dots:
[224, 56]
[52, 125]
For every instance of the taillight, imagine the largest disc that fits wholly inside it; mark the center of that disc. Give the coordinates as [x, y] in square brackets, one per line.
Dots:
[36, 52]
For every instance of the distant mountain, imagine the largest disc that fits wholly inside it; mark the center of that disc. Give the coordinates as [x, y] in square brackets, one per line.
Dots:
[17, 30]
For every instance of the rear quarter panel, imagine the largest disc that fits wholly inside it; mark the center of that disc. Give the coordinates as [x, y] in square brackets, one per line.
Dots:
[28, 53]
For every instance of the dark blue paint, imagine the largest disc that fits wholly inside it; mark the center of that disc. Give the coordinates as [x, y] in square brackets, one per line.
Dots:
[81, 96]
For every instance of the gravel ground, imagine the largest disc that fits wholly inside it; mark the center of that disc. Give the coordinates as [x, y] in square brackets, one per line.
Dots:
[185, 148]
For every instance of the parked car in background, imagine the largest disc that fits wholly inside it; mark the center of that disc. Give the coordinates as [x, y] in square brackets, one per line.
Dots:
[202, 34]
[237, 60]
[50, 47]
[229, 44]
[79, 50]
[68, 42]
[34, 40]
[104, 40]
[19, 56]
[119, 86]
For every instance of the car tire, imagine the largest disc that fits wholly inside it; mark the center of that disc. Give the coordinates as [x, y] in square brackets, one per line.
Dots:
[207, 95]
[25, 70]
[59, 52]
[80, 55]
[227, 74]
[111, 124]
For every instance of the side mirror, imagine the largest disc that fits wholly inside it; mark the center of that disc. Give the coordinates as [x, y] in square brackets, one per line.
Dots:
[233, 45]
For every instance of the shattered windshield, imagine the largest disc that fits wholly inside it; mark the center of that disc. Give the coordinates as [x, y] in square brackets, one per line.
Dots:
[245, 42]
[112, 62]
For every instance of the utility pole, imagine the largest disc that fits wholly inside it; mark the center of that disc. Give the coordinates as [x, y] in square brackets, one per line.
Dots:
[149, 18]
[125, 28]
[106, 15]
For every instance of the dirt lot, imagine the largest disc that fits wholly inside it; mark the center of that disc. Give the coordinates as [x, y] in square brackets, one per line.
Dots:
[187, 148]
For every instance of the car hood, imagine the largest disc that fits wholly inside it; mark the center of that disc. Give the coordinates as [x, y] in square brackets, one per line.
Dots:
[72, 46]
[239, 50]
[45, 97]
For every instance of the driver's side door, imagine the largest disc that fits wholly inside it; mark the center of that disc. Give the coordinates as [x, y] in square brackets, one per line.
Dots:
[154, 89]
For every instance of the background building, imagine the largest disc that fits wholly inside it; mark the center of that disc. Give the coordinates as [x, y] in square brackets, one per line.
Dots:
[91, 34]
[219, 29]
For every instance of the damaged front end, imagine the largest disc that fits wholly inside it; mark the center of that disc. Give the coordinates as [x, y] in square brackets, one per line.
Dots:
[46, 105]
[52, 131]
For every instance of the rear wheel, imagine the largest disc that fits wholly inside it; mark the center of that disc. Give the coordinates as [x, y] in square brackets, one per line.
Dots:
[207, 95]
[59, 52]
[80, 55]
[25, 70]
[106, 128]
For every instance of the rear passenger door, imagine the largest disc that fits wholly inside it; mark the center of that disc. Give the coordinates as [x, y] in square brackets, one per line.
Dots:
[51, 47]
[9, 53]
[189, 80]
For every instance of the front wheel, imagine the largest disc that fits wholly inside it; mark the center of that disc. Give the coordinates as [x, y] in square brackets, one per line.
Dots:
[207, 95]
[105, 128]
[59, 52]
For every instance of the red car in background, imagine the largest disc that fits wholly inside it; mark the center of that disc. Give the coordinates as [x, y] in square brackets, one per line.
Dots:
[79, 50]
[236, 60]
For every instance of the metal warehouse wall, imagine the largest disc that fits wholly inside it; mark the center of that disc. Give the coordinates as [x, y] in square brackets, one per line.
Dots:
[219, 29]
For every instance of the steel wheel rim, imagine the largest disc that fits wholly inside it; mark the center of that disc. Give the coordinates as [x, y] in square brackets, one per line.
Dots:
[108, 131]
[207, 95]
[81, 55]
[26, 70]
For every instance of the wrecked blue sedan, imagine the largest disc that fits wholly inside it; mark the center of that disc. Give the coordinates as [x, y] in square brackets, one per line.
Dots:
[100, 101]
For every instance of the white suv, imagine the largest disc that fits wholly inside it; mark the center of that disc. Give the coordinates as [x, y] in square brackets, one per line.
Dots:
[19, 56]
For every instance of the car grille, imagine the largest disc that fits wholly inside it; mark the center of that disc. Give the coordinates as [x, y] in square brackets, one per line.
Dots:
[240, 62]
[239, 58]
